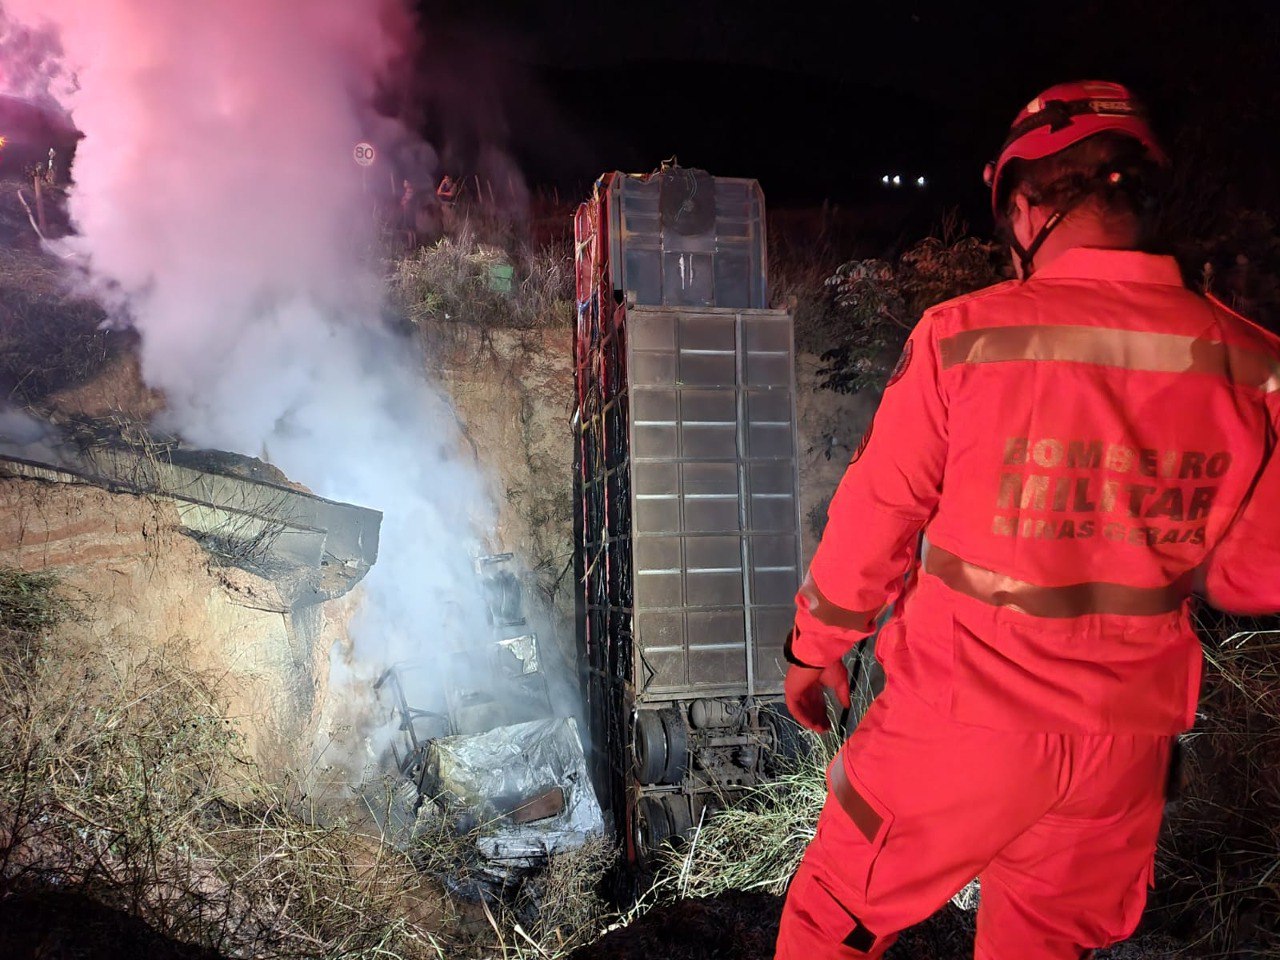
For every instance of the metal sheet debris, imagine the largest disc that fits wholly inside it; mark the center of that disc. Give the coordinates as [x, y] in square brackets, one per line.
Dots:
[493, 763]
[494, 780]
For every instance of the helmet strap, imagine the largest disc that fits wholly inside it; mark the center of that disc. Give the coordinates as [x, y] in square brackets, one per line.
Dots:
[1026, 255]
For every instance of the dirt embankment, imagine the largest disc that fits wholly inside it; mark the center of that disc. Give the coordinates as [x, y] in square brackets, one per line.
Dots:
[117, 390]
[512, 392]
[142, 580]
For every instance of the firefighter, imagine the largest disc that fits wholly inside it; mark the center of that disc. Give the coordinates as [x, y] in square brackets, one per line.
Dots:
[447, 194]
[1056, 463]
[447, 190]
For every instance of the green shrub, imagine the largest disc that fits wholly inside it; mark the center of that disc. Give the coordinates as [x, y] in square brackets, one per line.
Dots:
[879, 302]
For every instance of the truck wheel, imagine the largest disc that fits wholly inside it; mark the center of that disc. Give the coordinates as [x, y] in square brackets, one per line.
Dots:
[679, 815]
[650, 747]
[677, 746]
[789, 743]
[653, 829]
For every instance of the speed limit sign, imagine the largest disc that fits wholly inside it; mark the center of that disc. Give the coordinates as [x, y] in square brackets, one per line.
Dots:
[365, 154]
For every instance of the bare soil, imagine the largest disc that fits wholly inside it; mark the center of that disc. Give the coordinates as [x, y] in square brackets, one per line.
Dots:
[143, 581]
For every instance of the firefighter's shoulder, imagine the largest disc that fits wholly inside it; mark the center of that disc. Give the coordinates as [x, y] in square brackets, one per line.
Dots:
[1256, 335]
[958, 306]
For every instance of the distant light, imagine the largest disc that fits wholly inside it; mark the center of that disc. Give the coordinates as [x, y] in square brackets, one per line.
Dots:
[897, 180]
[920, 181]
[884, 179]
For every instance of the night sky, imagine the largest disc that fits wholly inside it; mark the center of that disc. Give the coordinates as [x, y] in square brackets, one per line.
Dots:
[819, 103]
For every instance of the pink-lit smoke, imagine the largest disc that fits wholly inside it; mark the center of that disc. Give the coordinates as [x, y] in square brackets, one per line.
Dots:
[216, 194]
[31, 64]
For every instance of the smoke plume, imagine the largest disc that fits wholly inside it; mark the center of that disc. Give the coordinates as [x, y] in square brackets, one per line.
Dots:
[217, 200]
[31, 64]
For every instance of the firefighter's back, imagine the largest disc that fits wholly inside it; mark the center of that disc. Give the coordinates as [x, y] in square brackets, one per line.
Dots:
[1105, 425]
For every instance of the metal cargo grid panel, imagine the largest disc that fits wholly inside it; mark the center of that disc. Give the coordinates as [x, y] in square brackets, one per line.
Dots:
[715, 511]
[687, 552]
[682, 238]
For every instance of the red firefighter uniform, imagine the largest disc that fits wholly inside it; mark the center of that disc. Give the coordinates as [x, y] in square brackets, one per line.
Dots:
[1073, 448]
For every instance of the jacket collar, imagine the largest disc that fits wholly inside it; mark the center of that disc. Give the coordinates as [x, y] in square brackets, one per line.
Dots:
[1123, 266]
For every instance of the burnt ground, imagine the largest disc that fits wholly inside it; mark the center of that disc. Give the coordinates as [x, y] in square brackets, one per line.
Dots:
[56, 925]
[71, 926]
[743, 926]
[731, 926]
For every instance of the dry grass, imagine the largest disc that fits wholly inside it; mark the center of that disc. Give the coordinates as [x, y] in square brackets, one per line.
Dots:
[48, 336]
[563, 902]
[49, 339]
[120, 780]
[798, 273]
[30, 606]
[556, 911]
[543, 914]
[458, 280]
[36, 274]
[1218, 872]
[756, 843]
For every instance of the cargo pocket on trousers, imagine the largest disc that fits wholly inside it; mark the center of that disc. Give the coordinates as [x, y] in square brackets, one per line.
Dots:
[870, 818]
[836, 920]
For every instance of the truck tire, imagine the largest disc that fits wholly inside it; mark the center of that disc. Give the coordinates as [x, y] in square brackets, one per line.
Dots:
[789, 743]
[649, 747]
[652, 827]
[677, 735]
[679, 814]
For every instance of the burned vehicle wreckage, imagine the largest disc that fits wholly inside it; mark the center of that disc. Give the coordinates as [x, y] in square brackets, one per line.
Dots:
[496, 764]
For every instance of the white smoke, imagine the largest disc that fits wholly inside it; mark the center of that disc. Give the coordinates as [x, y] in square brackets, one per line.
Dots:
[31, 64]
[216, 193]
[22, 435]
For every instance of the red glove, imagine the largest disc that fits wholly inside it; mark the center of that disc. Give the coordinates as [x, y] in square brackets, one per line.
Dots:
[803, 687]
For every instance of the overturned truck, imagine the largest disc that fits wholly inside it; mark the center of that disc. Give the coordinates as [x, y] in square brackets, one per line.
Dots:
[687, 524]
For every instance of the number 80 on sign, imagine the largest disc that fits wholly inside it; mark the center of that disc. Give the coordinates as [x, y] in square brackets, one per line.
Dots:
[364, 154]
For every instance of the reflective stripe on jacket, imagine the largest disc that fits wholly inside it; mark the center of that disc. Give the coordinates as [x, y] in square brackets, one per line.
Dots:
[1073, 447]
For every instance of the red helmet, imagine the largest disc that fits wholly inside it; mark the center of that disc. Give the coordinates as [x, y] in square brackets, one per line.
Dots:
[1066, 114]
